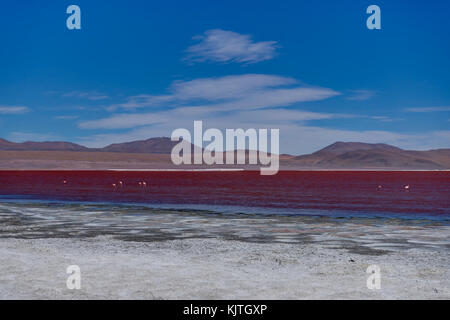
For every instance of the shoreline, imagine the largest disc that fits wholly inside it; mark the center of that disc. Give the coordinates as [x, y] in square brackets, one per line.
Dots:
[231, 170]
[228, 211]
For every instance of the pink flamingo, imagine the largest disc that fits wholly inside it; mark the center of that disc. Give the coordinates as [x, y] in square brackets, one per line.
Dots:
[114, 185]
[121, 184]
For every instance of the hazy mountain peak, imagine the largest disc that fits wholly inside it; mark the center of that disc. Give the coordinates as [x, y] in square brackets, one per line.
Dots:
[341, 147]
[152, 145]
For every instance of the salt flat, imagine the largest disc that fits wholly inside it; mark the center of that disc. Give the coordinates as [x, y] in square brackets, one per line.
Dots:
[215, 269]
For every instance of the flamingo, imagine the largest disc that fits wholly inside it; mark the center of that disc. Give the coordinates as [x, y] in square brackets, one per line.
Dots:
[380, 186]
[64, 181]
[121, 184]
[407, 187]
[144, 184]
[114, 185]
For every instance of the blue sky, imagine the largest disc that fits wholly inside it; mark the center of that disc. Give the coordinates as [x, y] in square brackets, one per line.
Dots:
[140, 69]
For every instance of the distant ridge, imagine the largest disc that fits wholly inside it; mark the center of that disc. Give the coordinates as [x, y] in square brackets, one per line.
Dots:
[154, 145]
[339, 155]
[342, 147]
[41, 146]
[342, 155]
[162, 145]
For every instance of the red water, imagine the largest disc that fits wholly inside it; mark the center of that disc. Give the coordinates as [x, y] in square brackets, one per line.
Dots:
[352, 191]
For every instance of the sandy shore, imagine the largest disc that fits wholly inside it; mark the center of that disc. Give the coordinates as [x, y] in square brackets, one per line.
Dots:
[214, 269]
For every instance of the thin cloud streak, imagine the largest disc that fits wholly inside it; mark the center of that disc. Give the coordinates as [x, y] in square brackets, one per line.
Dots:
[18, 136]
[13, 109]
[429, 109]
[66, 117]
[91, 95]
[360, 95]
[247, 91]
[276, 116]
[226, 46]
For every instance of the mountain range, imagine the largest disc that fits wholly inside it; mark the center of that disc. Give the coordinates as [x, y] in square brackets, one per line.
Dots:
[154, 145]
[346, 155]
[339, 155]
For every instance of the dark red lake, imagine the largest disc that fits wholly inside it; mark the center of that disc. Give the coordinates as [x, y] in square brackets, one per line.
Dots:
[345, 191]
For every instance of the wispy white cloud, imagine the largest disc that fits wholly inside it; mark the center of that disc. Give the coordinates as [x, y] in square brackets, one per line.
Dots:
[65, 117]
[181, 116]
[90, 95]
[360, 95]
[296, 135]
[17, 136]
[13, 109]
[384, 118]
[429, 109]
[125, 120]
[247, 91]
[243, 101]
[226, 46]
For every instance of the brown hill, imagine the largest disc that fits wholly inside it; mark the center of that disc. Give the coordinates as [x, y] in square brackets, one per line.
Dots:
[161, 145]
[339, 155]
[357, 155]
[41, 146]
[342, 147]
